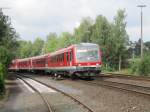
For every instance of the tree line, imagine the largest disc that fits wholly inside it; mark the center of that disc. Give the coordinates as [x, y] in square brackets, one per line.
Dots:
[8, 46]
[111, 36]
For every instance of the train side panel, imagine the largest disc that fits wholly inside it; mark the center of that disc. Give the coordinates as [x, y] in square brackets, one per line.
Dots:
[39, 62]
[79, 59]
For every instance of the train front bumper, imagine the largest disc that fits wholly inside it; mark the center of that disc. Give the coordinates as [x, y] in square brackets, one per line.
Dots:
[88, 68]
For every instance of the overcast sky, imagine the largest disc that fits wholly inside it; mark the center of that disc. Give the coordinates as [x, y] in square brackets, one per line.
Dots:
[36, 18]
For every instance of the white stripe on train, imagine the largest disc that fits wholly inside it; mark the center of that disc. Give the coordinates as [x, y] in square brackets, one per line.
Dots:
[57, 68]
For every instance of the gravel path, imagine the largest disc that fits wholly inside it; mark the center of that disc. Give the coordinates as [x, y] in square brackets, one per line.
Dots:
[102, 99]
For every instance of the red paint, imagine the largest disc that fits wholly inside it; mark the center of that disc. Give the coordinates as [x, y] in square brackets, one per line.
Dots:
[60, 58]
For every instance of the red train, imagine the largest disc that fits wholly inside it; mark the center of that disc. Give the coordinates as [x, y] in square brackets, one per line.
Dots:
[82, 60]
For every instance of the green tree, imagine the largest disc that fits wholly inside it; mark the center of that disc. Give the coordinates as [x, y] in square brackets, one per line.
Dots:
[65, 40]
[51, 43]
[37, 46]
[83, 32]
[2, 78]
[120, 36]
[101, 32]
[8, 35]
[8, 46]
[147, 48]
[8, 39]
[25, 49]
[4, 56]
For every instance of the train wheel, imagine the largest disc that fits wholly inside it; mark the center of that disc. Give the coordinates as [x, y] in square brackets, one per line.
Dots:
[73, 77]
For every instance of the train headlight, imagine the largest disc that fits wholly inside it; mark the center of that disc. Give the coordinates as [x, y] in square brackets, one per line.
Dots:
[97, 64]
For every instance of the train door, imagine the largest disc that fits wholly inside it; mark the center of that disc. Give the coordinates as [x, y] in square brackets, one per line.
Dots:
[67, 59]
[71, 57]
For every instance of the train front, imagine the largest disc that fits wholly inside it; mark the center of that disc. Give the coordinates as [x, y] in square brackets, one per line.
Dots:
[88, 59]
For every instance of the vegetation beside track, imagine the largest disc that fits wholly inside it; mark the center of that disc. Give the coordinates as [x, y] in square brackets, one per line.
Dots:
[136, 67]
[141, 67]
[8, 45]
[2, 74]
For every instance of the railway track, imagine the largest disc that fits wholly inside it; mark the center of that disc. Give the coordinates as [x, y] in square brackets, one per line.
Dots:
[143, 90]
[124, 76]
[47, 104]
[134, 88]
[65, 94]
[127, 87]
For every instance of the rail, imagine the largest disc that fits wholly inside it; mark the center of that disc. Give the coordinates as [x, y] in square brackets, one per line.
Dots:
[118, 75]
[50, 109]
[68, 95]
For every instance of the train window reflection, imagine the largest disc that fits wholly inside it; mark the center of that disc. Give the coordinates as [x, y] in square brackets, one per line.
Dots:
[87, 54]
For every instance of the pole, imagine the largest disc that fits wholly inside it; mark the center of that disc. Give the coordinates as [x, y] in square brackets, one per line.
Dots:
[141, 6]
[141, 33]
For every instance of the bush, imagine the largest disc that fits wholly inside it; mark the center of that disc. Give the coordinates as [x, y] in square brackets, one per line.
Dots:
[141, 67]
[134, 65]
[107, 69]
[4, 56]
[144, 66]
[2, 82]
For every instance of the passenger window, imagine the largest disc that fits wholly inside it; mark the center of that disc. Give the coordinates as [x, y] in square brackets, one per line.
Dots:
[67, 56]
[71, 56]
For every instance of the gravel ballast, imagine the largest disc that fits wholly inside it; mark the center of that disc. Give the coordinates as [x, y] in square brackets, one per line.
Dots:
[102, 99]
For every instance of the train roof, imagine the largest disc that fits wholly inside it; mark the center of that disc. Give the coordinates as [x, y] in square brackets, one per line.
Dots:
[62, 50]
[40, 56]
[58, 51]
[24, 59]
[71, 46]
[86, 44]
[35, 57]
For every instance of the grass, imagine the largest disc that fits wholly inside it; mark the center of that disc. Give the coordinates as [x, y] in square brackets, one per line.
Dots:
[4, 98]
[126, 71]
[1, 97]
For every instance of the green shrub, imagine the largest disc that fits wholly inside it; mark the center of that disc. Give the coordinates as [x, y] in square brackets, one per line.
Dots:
[134, 65]
[107, 69]
[2, 82]
[141, 67]
[144, 66]
[4, 56]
